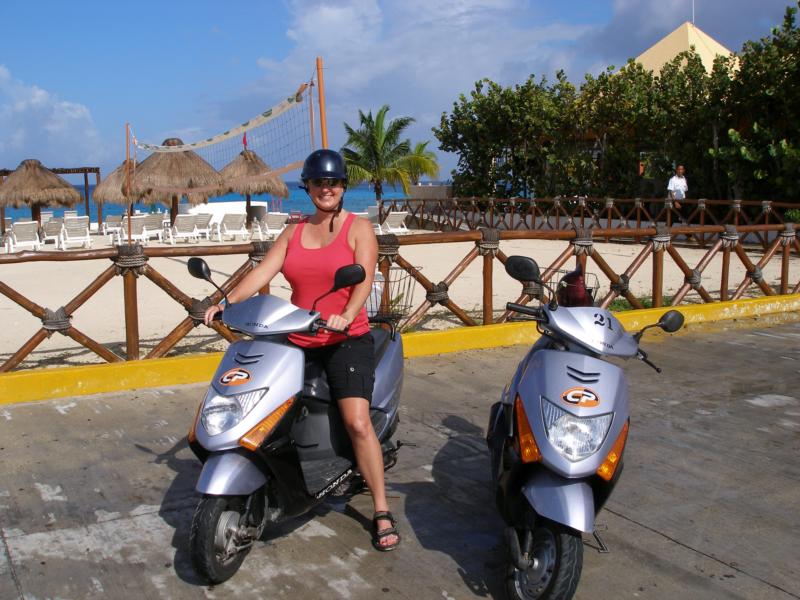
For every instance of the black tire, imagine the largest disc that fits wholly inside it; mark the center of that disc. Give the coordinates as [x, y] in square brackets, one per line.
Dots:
[211, 531]
[559, 551]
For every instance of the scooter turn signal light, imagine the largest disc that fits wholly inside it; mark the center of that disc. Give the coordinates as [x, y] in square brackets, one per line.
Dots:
[610, 464]
[193, 431]
[528, 450]
[256, 436]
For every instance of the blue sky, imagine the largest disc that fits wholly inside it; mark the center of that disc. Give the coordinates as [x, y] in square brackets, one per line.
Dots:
[72, 74]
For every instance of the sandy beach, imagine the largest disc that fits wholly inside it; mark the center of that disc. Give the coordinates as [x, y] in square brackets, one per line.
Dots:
[52, 285]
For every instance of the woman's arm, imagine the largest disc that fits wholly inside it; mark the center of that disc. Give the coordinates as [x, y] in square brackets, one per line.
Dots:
[260, 276]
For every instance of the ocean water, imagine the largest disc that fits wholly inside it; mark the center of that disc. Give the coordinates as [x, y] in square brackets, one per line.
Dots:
[356, 199]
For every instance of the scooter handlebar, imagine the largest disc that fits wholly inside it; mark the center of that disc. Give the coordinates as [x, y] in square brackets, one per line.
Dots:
[522, 309]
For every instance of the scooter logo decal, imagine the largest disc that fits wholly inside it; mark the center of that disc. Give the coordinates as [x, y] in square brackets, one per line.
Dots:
[581, 396]
[235, 376]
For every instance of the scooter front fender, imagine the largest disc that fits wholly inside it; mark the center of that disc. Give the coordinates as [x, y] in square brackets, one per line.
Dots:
[566, 501]
[230, 474]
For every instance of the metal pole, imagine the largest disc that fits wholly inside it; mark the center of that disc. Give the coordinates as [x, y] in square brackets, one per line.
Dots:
[323, 124]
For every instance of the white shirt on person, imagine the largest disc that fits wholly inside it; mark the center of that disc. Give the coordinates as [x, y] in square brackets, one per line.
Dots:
[678, 186]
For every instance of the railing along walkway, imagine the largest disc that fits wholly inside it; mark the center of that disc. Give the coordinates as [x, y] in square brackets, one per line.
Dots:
[567, 213]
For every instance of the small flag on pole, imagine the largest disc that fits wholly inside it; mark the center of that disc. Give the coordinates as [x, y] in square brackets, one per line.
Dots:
[244, 140]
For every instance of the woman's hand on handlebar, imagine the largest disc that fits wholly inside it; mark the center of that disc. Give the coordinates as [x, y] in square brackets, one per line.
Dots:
[211, 313]
[338, 323]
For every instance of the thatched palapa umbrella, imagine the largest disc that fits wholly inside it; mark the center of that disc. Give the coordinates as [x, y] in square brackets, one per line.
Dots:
[36, 186]
[166, 176]
[247, 174]
[112, 188]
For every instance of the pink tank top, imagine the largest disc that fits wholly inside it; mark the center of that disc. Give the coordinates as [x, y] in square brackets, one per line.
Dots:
[310, 272]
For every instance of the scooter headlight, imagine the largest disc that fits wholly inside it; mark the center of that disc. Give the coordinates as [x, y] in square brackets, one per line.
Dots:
[220, 413]
[574, 437]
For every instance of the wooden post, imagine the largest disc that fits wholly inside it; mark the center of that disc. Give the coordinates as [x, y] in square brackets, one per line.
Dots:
[488, 308]
[86, 192]
[658, 277]
[323, 124]
[128, 190]
[131, 315]
[99, 204]
[726, 267]
[311, 116]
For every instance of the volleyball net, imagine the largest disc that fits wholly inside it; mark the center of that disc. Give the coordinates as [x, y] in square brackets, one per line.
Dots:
[276, 142]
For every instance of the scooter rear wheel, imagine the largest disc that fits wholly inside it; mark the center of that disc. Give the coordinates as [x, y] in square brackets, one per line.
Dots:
[559, 552]
[213, 538]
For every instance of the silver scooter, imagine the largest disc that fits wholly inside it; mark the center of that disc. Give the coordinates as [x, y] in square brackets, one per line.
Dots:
[272, 442]
[557, 437]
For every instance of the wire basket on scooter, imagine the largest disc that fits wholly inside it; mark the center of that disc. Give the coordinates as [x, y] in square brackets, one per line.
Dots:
[557, 281]
[391, 300]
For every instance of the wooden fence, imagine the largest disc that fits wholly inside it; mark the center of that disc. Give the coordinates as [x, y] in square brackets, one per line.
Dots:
[131, 262]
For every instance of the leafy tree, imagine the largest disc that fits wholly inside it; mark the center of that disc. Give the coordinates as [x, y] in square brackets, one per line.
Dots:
[374, 153]
[423, 163]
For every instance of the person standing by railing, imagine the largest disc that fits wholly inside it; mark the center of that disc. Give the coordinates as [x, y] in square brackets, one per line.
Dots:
[678, 186]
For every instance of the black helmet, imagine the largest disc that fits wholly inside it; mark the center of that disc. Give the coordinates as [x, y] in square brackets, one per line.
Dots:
[324, 163]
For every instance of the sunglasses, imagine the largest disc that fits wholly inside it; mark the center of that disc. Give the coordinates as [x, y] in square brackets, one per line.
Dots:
[329, 182]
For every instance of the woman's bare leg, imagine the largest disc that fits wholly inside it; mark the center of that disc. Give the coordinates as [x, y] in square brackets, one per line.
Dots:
[355, 414]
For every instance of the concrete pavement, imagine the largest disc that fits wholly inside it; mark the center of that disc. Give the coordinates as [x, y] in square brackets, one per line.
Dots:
[96, 493]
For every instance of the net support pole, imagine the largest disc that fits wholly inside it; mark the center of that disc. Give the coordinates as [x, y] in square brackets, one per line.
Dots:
[323, 124]
[128, 176]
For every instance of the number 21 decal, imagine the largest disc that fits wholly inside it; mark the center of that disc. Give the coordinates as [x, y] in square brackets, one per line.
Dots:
[603, 321]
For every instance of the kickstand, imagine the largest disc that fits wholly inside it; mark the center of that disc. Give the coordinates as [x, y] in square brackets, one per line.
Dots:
[601, 546]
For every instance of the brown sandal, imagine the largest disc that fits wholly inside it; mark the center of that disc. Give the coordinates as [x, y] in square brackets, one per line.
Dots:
[378, 535]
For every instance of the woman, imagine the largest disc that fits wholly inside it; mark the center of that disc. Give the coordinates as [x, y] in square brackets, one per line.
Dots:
[308, 254]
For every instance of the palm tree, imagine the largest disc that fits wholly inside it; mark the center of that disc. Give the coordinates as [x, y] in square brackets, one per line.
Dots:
[375, 153]
[424, 163]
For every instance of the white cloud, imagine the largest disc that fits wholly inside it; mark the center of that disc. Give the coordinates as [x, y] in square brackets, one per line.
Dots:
[35, 123]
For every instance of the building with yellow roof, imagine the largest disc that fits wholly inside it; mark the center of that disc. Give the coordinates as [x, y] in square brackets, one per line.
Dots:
[681, 40]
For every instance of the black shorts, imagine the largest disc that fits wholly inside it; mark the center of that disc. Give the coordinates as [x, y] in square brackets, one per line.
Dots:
[349, 365]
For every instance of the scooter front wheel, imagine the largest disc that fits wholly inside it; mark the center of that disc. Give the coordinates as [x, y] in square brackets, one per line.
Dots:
[216, 543]
[559, 558]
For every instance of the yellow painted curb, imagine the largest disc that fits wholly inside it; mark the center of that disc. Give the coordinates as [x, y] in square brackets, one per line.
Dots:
[45, 384]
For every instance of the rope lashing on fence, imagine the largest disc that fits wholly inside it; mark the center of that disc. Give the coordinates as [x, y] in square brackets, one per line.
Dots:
[489, 243]
[130, 258]
[259, 251]
[534, 290]
[737, 206]
[766, 206]
[438, 295]
[661, 240]
[695, 279]
[730, 237]
[388, 247]
[788, 235]
[198, 310]
[756, 275]
[57, 320]
[701, 204]
[582, 243]
[609, 203]
[622, 287]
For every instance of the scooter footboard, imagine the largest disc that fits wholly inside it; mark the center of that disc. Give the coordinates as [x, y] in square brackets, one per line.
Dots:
[230, 474]
[566, 501]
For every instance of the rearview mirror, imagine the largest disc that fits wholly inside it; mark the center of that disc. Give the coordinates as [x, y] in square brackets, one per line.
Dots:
[523, 268]
[198, 268]
[671, 321]
[348, 276]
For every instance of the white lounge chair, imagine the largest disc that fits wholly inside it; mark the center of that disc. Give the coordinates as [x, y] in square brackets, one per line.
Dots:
[45, 216]
[68, 214]
[395, 223]
[203, 224]
[51, 231]
[184, 228]
[154, 226]
[111, 224]
[272, 225]
[373, 216]
[76, 231]
[138, 234]
[232, 224]
[24, 234]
